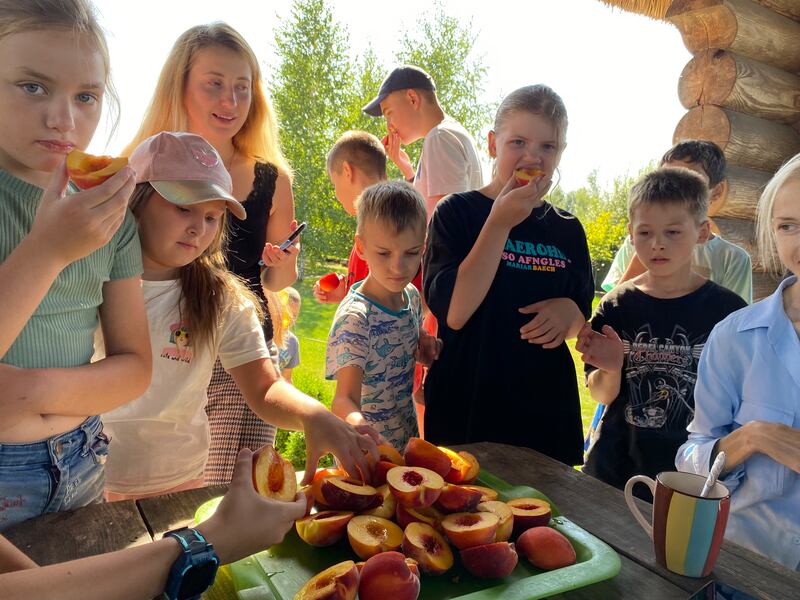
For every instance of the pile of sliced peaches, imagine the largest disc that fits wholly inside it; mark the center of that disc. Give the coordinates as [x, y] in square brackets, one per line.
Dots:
[408, 520]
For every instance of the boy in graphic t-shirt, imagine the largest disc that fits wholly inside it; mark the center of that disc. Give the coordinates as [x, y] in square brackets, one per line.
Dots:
[642, 346]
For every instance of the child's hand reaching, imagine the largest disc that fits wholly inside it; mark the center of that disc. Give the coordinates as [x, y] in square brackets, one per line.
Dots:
[394, 150]
[273, 256]
[428, 348]
[603, 350]
[556, 320]
[514, 205]
[246, 522]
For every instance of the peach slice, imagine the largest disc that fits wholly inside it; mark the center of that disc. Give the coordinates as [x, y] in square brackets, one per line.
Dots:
[487, 493]
[427, 546]
[455, 498]
[529, 512]
[523, 176]
[546, 548]
[323, 528]
[387, 506]
[388, 575]
[474, 467]
[372, 535]
[415, 487]
[459, 467]
[389, 454]
[86, 170]
[339, 582]
[490, 561]
[316, 482]
[273, 475]
[505, 526]
[429, 514]
[470, 529]
[419, 453]
[344, 493]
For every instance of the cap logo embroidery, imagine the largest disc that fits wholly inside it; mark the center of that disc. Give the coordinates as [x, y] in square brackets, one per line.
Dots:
[205, 155]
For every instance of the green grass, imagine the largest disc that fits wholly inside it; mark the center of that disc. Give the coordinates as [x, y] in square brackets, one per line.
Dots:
[311, 330]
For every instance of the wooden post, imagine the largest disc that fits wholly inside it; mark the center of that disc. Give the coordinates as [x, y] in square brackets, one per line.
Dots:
[788, 8]
[740, 232]
[744, 189]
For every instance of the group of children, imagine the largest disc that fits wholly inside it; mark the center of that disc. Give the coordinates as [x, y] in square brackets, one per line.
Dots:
[506, 275]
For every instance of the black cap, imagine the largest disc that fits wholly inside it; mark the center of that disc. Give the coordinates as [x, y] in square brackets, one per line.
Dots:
[402, 78]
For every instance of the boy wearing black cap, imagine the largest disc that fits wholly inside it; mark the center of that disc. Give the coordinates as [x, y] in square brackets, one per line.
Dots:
[449, 162]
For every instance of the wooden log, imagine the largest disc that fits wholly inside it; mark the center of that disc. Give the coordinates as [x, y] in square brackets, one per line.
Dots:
[741, 26]
[787, 8]
[740, 84]
[744, 189]
[747, 141]
[740, 232]
[764, 284]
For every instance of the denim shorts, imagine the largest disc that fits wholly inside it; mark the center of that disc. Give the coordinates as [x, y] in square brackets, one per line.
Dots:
[61, 473]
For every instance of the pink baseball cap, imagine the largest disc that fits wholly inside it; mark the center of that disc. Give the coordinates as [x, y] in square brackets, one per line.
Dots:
[185, 169]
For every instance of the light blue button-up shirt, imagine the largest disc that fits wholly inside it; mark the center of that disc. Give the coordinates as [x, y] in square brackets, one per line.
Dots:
[750, 371]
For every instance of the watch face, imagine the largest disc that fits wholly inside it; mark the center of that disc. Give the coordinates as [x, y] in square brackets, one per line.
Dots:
[197, 579]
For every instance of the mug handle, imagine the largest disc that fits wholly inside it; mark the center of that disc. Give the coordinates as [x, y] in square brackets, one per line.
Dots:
[637, 514]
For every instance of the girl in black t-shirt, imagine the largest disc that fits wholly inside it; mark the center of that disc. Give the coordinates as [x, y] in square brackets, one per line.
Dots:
[508, 277]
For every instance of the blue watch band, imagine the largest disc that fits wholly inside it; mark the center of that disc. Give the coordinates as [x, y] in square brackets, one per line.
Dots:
[195, 569]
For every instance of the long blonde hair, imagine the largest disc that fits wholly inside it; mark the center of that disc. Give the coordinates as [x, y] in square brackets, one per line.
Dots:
[765, 233]
[76, 16]
[208, 288]
[258, 137]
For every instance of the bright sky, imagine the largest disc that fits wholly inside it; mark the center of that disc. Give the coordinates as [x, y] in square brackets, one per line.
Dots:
[617, 72]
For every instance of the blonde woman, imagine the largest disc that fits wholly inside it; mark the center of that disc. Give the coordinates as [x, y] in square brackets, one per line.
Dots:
[211, 85]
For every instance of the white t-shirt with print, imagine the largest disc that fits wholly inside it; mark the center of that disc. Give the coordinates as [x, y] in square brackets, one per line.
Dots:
[448, 164]
[380, 342]
[161, 439]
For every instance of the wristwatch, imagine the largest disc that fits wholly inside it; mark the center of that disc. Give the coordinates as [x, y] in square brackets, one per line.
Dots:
[195, 569]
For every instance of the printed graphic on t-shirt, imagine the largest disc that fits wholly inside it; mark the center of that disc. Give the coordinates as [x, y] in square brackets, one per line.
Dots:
[530, 256]
[660, 374]
[181, 345]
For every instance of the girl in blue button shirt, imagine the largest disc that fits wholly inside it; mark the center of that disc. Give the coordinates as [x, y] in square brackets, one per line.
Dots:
[747, 397]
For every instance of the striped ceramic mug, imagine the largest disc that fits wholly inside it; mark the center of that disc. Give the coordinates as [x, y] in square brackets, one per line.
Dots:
[687, 530]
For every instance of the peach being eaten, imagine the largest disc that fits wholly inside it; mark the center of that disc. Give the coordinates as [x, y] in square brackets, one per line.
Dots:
[344, 493]
[546, 548]
[529, 512]
[505, 525]
[524, 176]
[414, 487]
[470, 529]
[372, 535]
[427, 546]
[323, 528]
[419, 453]
[273, 475]
[388, 575]
[490, 561]
[339, 582]
[86, 170]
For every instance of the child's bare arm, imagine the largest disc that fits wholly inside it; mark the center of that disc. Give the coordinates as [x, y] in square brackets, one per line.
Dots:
[605, 352]
[13, 559]
[64, 230]
[347, 399]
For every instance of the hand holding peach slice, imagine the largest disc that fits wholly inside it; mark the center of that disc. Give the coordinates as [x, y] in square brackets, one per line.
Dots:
[505, 526]
[524, 176]
[490, 561]
[273, 475]
[419, 453]
[427, 546]
[86, 170]
[323, 528]
[372, 535]
[329, 282]
[339, 582]
[344, 493]
[470, 529]
[389, 575]
[529, 512]
[546, 548]
[414, 487]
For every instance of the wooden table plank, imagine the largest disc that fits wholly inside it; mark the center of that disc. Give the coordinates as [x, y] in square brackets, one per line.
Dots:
[94, 529]
[170, 511]
[601, 510]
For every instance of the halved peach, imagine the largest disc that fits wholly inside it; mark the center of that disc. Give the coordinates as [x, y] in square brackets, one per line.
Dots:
[505, 525]
[86, 170]
[490, 561]
[390, 454]
[323, 528]
[273, 475]
[428, 514]
[316, 482]
[419, 453]
[474, 467]
[470, 529]
[487, 492]
[546, 548]
[389, 575]
[372, 535]
[427, 546]
[387, 506]
[382, 467]
[344, 493]
[339, 582]
[455, 498]
[529, 512]
[415, 487]
[459, 467]
[523, 176]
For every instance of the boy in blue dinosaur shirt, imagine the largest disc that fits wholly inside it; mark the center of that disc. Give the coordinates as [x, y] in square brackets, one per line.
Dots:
[372, 345]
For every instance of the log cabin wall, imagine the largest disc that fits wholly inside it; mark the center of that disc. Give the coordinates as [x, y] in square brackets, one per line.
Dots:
[741, 90]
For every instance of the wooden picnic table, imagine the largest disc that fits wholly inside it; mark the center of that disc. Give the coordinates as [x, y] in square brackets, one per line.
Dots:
[596, 507]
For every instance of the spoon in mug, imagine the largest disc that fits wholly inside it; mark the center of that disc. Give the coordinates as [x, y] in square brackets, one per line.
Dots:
[716, 469]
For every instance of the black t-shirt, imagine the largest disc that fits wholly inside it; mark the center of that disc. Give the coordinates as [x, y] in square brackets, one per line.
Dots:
[645, 425]
[489, 384]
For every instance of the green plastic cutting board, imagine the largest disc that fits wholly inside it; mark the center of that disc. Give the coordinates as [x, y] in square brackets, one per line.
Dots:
[277, 573]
